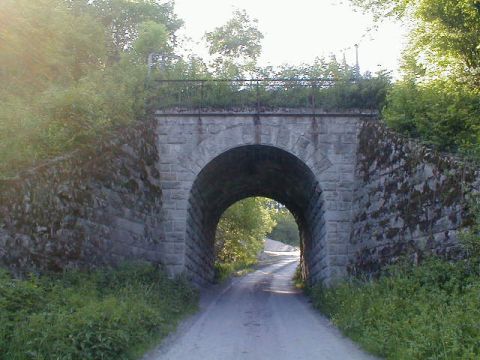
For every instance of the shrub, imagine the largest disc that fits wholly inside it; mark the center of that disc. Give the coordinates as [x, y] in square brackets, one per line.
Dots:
[104, 314]
[430, 311]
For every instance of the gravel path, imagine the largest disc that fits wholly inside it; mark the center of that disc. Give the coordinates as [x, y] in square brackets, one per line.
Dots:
[258, 316]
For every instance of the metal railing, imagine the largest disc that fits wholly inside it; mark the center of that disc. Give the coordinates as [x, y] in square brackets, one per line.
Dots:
[258, 96]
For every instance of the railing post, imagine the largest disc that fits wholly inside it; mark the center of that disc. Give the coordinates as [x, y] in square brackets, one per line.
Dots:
[201, 96]
[313, 97]
[258, 97]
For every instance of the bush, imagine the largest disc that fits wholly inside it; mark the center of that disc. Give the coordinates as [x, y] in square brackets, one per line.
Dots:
[430, 311]
[286, 229]
[441, 113]
[105, 314]
[241, 231]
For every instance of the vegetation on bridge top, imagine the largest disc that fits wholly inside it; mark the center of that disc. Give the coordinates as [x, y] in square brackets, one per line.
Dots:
[74, 71]
[343, 92]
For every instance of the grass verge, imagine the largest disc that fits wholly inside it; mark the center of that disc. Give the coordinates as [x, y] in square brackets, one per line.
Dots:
[224, 271]
[104, 314]
[431, 311]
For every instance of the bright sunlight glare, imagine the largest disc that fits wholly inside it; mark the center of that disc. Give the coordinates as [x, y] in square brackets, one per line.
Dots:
[299, 31]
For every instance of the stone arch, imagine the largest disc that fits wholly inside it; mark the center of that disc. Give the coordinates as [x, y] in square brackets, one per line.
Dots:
[297, 143]
[253, 170]
[324, 146]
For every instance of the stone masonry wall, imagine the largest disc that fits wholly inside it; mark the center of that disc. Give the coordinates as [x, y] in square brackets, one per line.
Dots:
[409, 200]
[363, 195]
[94, 207]
[325, 143]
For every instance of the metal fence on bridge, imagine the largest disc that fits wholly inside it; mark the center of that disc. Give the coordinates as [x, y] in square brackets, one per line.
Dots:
[263, 96]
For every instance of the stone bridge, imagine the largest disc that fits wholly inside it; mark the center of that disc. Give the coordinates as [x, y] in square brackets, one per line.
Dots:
[307, 163]
[362, 195]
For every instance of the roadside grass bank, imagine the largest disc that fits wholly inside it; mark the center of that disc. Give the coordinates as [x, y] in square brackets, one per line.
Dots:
[103, 314]
[299, 281]
[224, 271]
[430, 311]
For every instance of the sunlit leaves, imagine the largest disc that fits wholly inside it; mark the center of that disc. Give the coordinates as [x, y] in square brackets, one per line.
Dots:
[235, 45]
[242, 230]
[445, 37]
[42, 42]
[152, 38]
[63, 80]
[438, 99]
[382, 8]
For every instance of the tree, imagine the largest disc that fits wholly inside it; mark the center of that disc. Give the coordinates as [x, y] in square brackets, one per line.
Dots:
[439, 96]
[286, 229]
[241, 231]
[440, 112]
[43, 43]
[59, 91]
[236, 45]
[152, 38]
[445, 37]
[122, 20]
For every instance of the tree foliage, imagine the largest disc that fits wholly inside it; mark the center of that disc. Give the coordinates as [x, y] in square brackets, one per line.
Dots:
[235, 45]
[286, 228]
[73, 70]
[242, 230]
[152, 38]
[239, 37]
[121, 19]
[445, 33]
[440, 112]
[438, 98]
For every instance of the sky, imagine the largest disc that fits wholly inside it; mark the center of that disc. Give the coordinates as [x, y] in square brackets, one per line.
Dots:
[298, 31]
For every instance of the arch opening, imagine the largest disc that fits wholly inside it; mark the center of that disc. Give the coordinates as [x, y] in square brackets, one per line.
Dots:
[245, 231]
[248, 171]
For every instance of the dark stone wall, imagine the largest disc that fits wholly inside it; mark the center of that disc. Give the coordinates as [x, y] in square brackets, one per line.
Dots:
[97, 206]
[362, 195]
[409, 200]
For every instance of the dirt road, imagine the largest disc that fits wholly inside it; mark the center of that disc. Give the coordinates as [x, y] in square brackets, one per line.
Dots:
[259, 316]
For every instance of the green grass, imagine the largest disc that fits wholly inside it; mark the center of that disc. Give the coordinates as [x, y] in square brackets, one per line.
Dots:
[224, 271]
[431, 311]
[104, 314]
[298, 279]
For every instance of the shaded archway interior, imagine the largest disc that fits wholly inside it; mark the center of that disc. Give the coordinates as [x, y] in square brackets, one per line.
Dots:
[253, 170]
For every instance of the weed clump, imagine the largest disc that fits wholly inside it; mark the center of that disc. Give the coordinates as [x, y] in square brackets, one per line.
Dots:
[430, 311]
[103, 314]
